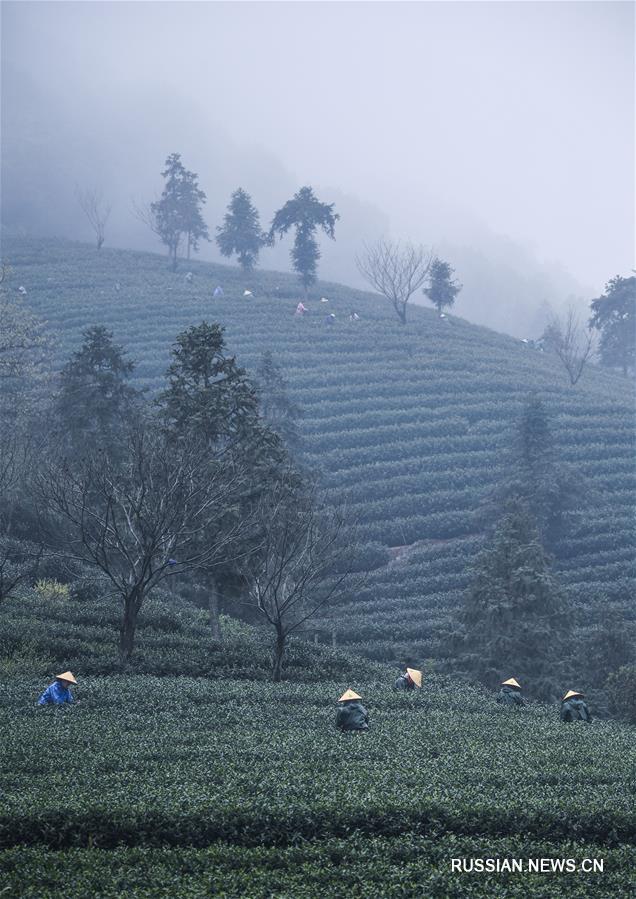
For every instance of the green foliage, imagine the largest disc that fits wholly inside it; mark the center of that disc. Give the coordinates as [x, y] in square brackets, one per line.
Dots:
[49, 589]
[338, 867]
[19, 565]
[550, 489]
[614, 315]
[276, 408]
[256, 775]
[95, 399]
[177, 214]
[442, 289]
[208, 394]
[515, 614]
[173, 638]
[621, 686]
[306, 214]
[241, 233]
[416, 430]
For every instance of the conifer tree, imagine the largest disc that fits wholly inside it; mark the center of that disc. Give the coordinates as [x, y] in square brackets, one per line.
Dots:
[550, 489]
[515, 615]
[442, 289]
[95, 400]
[306, 214]
[177, 214]
[210, 398]
[241, 232]
[276, 407]
[614, 315]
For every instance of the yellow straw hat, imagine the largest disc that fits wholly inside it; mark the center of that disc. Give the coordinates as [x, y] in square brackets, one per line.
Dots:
[511, 682]
[67, 676]
[415, 675]
[349, 694]
[570, 694]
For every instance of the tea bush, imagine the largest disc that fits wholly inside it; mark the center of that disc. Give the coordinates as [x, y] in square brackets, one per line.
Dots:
[413, 423]
[49, 589]
[257, 794]
[360, 867]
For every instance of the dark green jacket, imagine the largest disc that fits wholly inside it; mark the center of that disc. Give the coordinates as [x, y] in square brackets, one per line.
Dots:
[575, 710]
[510, 696]
[352, 715]
[403, 683]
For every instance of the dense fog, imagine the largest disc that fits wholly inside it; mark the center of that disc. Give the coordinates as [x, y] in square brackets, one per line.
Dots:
[502, 134]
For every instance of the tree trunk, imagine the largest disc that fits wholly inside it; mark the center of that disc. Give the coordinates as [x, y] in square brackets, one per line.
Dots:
[279, 652]
[132, 604]
[188, 246]
[213, 609]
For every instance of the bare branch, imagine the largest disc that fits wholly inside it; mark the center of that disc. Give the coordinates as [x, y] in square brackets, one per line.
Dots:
[396, 271]
[97, 213]
[571, 342]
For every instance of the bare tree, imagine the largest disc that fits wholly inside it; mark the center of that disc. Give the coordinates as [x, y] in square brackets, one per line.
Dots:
[572, 343]
[304, 562]
[396, 271]
[95, 210]
[143, 520]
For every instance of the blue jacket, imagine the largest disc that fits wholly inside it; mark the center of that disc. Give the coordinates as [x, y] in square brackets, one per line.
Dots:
[56, 693]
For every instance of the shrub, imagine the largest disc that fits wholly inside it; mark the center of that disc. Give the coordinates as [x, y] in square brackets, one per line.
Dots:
[621, 686]
[49, 589]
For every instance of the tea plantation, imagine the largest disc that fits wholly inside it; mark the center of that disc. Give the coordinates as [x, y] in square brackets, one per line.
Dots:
[412, 423]
[171, 787]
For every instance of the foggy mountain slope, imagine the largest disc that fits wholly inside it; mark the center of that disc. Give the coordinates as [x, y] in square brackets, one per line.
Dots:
[412, 423]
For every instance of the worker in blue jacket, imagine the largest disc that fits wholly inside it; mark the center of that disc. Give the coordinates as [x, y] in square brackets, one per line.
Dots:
[59, 692]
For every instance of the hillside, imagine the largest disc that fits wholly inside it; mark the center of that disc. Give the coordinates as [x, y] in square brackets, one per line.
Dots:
[412, 423]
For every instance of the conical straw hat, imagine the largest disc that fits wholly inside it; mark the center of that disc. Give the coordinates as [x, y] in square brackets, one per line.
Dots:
[415, 675]
[570, 694]
[349, 694]
[511, 682]
[67, 676]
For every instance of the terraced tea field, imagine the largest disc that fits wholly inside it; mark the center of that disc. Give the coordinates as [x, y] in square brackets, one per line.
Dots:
[413, 423]
[190, 787]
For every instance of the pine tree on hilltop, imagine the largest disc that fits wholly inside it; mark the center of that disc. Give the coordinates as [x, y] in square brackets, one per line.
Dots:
[515, 615]
[442, 289]
[241, 232]
[177, 213]
[306, 214]
[614, 315]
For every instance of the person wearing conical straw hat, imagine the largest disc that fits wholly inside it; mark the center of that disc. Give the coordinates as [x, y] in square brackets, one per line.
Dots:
[574, 707]
[59, 691]
[352, 715]
[510, 693]
[411, 679]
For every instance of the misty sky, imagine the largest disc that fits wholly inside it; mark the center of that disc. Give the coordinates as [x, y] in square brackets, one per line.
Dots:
[450, 117]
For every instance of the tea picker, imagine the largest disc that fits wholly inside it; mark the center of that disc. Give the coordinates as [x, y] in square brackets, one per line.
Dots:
[59, 692]
[574, 707]
[411, 679]
[352, 715]
[510, 693]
